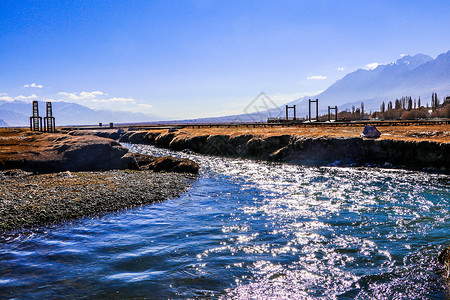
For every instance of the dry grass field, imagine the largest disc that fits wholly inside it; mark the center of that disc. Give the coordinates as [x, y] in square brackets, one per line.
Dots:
[435, 133]
[18, 142]
[21, 144]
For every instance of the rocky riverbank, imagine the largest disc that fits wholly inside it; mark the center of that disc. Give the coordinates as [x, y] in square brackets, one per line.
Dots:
[408, 153]
[29, 200]
[49, 178]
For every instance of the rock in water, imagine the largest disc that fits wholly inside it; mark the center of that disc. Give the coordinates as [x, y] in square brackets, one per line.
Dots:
[166, 164]
[370, 132]
[444, 259]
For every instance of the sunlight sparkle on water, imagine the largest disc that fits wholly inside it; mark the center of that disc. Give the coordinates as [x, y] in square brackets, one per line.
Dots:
[249, 230]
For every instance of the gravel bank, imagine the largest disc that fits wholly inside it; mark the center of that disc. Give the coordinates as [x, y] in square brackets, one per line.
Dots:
[30, 200]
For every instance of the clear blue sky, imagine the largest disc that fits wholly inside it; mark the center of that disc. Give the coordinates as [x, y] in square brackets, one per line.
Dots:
[184, 59]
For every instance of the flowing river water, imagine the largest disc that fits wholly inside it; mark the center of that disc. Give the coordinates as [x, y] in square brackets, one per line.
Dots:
[248, 230]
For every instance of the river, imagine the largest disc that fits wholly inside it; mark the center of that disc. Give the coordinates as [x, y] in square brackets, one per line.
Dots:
[248, 230]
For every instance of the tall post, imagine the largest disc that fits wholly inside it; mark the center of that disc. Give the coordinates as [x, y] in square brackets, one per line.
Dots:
[317, 110]
[36, 123]
[335, 113]
[287, 112]
[49, 120]
[35, 120]
[309, 107]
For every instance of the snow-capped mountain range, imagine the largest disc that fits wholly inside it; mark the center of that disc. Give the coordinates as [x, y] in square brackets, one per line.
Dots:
[416, 76]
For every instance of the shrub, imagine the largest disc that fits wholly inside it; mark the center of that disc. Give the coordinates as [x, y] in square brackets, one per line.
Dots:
[443, 112]
[419, 113]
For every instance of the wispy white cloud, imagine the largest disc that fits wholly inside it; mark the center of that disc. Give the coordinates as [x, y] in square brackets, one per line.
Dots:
[372, 66]
[340, 69]
[21, 97]
[145, 106]
[403, 55]
[4, 97]
[280, 99]
[82, 95]
[34, 85]
[70, 95]
[317, 77]
[99, 100]
[142, 108]
[115, 100]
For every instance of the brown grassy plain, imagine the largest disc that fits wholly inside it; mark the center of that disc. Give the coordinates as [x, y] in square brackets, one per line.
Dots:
[435, 133]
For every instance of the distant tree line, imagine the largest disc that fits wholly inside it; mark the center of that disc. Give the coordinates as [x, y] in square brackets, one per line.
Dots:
[356, 113]
[405, 108]
[409, 109]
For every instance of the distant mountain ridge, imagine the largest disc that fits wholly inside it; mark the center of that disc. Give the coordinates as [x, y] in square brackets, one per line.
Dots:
[369, 82]
[17, 113]
[416, 76]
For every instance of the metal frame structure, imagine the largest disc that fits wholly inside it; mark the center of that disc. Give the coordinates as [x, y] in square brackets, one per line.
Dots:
[35, 120]
[335, 113]
[317, 109]
[287, 112]
[49, 120]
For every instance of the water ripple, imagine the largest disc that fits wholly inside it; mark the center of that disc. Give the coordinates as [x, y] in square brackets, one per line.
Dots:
[248, 230]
